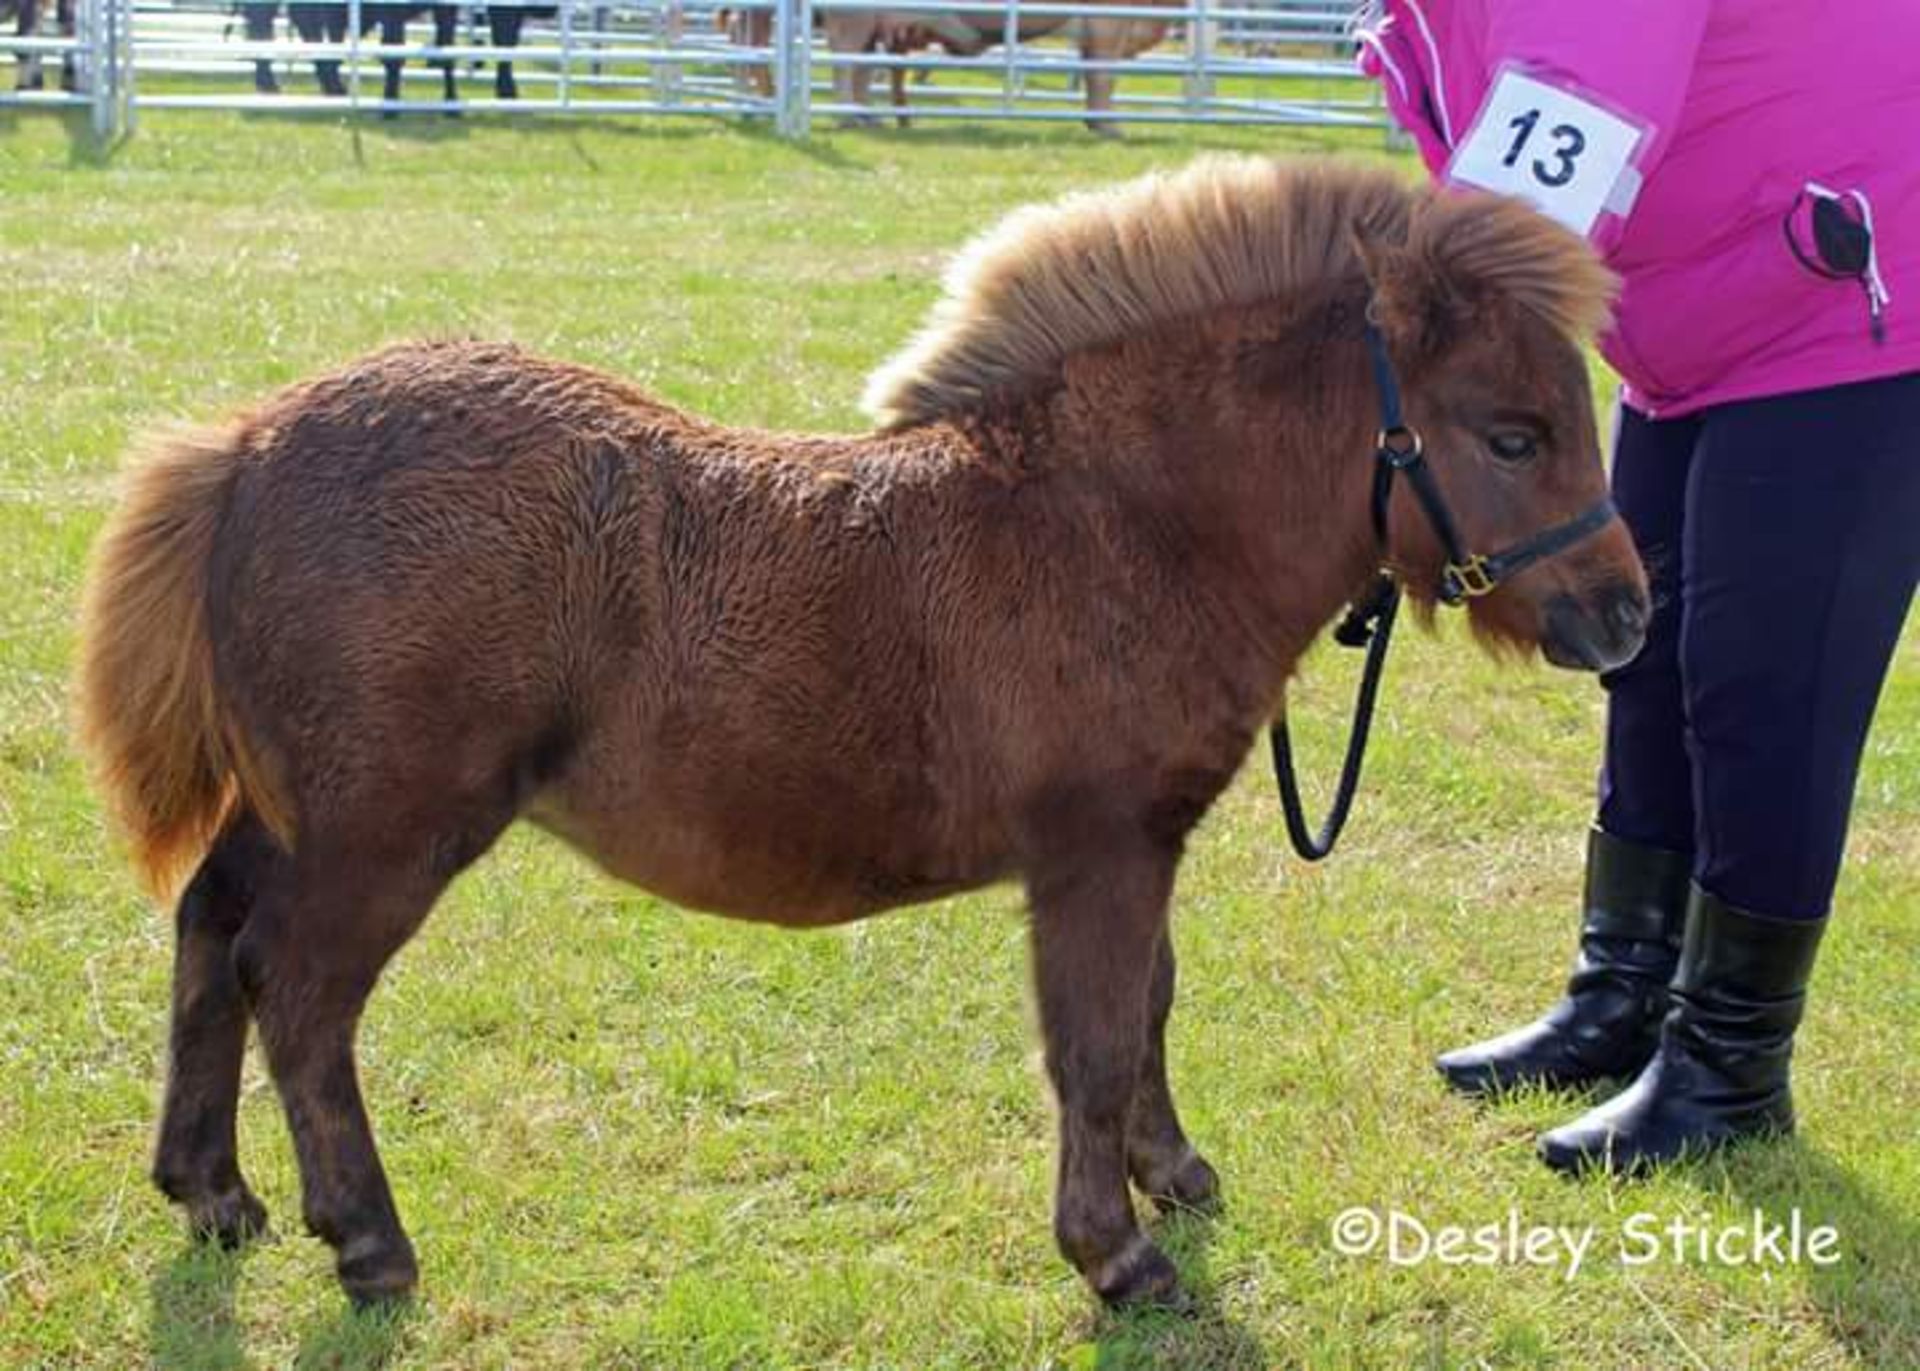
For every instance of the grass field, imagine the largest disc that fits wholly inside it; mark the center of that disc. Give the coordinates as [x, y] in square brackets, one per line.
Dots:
[625, 1136]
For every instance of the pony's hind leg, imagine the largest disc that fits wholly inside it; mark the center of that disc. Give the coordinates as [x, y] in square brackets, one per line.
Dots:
[307, 961]
[1161, 1160]
[1096, 928]
[196, 1162]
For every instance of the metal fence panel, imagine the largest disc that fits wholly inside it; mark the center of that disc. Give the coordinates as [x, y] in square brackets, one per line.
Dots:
[68, 56]
[787, 61]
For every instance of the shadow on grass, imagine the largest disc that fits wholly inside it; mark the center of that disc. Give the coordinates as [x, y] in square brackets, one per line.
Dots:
[194, 1327]
[355, 1339]
[1870, 1298]
[193, 1324]
[84, 147]
[1202, 1338]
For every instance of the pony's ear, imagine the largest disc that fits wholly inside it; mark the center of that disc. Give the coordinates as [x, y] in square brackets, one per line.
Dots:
[1410, 298]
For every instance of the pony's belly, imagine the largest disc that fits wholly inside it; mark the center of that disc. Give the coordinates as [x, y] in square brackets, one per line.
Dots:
[749, 875]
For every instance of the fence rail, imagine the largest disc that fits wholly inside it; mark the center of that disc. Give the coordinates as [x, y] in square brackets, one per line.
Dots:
[786, 61]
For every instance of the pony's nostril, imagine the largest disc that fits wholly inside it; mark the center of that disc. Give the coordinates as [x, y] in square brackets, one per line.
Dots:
[1627, 615]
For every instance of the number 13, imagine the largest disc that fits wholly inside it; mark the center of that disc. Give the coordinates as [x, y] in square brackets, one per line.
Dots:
[1571, 142]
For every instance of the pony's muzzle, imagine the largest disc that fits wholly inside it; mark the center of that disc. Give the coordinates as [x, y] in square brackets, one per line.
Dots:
[1599, 632]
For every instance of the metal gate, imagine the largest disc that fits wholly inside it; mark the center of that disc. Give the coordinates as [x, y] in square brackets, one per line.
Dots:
[787, 61]
[69, 65]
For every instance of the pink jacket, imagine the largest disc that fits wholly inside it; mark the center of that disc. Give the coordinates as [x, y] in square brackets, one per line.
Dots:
[1688, 138]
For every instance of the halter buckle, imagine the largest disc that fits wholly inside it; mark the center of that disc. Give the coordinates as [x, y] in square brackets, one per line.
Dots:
[1469, 580]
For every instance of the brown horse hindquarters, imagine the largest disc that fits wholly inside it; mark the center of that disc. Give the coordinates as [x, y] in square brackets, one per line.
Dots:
[393, 619]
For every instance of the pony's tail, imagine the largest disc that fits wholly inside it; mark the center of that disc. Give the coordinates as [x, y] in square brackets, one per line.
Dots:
[164, 750]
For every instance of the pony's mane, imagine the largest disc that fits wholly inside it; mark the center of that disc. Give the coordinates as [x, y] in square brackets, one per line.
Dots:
[1052, 280]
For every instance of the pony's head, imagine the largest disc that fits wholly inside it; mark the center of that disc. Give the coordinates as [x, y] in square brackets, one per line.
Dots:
[1484, 305]
[1258, 264]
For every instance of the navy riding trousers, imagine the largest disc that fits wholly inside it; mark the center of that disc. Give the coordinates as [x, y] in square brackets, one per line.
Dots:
[1782, 538]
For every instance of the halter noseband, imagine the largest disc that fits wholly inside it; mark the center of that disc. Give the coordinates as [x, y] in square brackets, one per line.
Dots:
[1399, 451]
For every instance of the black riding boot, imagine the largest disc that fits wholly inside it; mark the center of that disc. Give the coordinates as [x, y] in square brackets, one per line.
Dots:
[1721, 1071]
[1609, 1023]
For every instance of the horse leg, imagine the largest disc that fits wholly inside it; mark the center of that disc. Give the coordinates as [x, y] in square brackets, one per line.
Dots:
[760, 35]
[897, 80]
[1162, 1162]
[850, 33]
[393, 33]
[27, 75]
[862, 92]
[69, 75]
[318, 23]
[259, 29]
[1096, 927]
[1103, 42]
[503, 27]
[196, 1162]
[307, 960]
[1100, 101]
[446, 19]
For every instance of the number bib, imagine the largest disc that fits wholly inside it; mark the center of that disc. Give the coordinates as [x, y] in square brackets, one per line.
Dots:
[1564, 155]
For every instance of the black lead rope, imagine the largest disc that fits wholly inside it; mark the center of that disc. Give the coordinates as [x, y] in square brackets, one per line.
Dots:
[1369, 620]
[1369, 624]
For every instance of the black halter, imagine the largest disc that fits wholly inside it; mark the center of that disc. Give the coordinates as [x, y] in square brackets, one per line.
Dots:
[1399, 451]
[1368, 622]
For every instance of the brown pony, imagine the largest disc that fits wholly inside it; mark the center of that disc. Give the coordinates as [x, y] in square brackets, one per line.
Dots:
[1027, 629]
[969, 35]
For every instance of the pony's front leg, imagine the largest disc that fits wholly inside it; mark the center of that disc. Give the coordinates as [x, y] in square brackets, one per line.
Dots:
[1161, 1160]
[1097, 922]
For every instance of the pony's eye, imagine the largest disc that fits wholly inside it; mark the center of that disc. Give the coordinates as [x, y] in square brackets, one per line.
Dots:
[1511, 445]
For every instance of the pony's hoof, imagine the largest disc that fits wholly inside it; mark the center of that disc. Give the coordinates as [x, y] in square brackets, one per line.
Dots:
[232, 1218]
[1104, 128]
[375, 1271]
[1193, 1185]
[1142, 1277]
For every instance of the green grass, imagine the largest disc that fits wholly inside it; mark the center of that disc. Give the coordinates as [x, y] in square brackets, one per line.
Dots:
[625, 1136]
